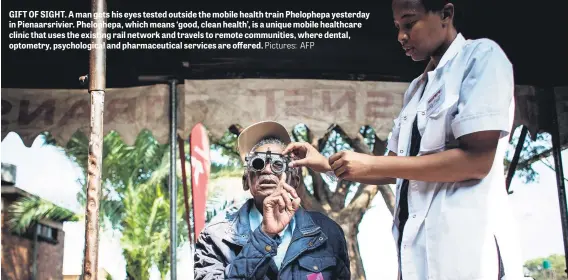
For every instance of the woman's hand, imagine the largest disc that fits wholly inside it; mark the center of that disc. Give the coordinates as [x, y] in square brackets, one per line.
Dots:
[351, 166]
[306, 155]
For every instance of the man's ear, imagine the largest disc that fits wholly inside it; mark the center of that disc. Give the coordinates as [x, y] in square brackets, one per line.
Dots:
[297, 180]
[294, 178]
[245, 182]
[448, 14]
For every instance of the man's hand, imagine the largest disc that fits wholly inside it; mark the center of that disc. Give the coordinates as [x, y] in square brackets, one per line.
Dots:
[306, 155]
[279, 208]
[350, 165]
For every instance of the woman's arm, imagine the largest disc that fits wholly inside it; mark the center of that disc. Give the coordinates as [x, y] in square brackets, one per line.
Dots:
[307, 156]
[484, 114]
[471, 160]
[373, 179]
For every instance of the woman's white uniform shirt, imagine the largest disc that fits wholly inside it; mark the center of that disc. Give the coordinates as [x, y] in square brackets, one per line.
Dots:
[451, 227]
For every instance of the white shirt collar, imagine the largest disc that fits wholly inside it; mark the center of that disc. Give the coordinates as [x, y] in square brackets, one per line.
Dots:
[454, 48]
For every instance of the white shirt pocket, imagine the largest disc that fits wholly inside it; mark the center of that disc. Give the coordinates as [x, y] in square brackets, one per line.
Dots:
[434, 124]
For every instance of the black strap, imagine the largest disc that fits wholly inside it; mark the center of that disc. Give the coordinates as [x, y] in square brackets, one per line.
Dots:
[403, 214]
[501, 268]
[415, 140]
[403, 202]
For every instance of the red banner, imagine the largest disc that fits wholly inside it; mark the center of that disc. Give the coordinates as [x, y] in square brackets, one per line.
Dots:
[200, 168]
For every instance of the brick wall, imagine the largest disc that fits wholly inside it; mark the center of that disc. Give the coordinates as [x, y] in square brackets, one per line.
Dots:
[17, 256]
[50, 259]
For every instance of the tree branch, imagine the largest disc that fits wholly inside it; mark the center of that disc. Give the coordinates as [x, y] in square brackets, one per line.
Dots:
[358, 192]
[388, 196]
[360, 204]
[295, 136]
[358, 144]
[339, 197]
[321, 190]
[379, 149]
[309, 202]
[319, 144]
[526, 163]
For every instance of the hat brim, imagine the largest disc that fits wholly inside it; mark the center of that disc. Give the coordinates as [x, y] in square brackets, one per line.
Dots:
[251, 135]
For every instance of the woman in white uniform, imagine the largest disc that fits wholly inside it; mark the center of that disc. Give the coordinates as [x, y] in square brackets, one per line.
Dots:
[452, 215]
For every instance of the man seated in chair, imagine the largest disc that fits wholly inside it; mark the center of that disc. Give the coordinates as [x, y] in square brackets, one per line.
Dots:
[271, 236]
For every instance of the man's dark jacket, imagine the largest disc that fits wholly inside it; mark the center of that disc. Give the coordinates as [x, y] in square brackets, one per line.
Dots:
[228, 249]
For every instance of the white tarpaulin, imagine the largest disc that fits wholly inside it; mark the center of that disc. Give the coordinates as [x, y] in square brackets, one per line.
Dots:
[316, 103]
[28, 112]
[218, 104]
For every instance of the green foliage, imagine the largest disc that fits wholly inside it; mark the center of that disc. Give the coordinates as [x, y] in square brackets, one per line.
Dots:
[216, 202]
[135, 195]
[531, 150]
[227, 145]
[557, 267]
[221, 171]
[30, 210]
[122, 166]
[145, 237]
[135, 198]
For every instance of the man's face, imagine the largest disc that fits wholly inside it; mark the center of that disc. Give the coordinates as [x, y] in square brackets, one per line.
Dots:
[263, 183]
[420, 33]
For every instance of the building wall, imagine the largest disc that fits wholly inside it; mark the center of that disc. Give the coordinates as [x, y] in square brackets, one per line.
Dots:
[50, 258]
[17, 256]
